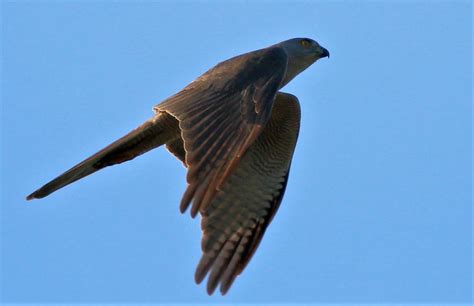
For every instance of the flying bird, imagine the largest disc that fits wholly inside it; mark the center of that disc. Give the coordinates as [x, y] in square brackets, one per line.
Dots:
[235, 132]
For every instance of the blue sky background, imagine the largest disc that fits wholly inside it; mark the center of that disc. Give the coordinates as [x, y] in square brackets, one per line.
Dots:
[378, 206]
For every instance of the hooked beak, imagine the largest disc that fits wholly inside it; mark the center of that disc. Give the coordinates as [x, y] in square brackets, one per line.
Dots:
[323, 52]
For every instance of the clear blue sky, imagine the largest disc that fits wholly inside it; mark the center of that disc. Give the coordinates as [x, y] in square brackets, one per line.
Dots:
[378, 207]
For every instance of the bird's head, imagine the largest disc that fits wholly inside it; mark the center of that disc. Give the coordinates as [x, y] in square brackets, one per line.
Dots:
[304, 49]
[302, 53]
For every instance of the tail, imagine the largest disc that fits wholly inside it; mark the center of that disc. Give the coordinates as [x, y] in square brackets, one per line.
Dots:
[155, 132]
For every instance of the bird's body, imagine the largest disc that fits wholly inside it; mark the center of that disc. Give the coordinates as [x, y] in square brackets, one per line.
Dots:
[236, 135]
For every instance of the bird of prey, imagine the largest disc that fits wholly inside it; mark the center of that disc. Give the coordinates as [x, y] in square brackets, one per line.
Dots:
[235, 132]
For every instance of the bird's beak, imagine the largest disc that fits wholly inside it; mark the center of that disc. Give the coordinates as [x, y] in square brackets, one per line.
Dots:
[323, 52]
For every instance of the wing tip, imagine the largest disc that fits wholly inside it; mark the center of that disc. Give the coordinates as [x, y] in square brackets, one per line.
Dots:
[211, 286]
[224, 289]
[187, 197]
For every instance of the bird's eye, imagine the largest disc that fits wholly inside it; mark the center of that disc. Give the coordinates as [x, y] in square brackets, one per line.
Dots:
[305, 43]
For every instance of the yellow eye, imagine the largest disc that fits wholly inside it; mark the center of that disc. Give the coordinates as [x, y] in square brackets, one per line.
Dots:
[305, 43]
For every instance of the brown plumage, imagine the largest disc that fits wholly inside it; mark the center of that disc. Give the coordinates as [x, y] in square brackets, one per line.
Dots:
[236, 219]
[236, 134]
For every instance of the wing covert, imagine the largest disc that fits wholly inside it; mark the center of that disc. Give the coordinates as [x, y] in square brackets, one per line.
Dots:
[220, 115]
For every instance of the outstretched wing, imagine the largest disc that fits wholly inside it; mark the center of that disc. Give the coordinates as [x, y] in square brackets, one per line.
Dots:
[234, 222]
[220, 115]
